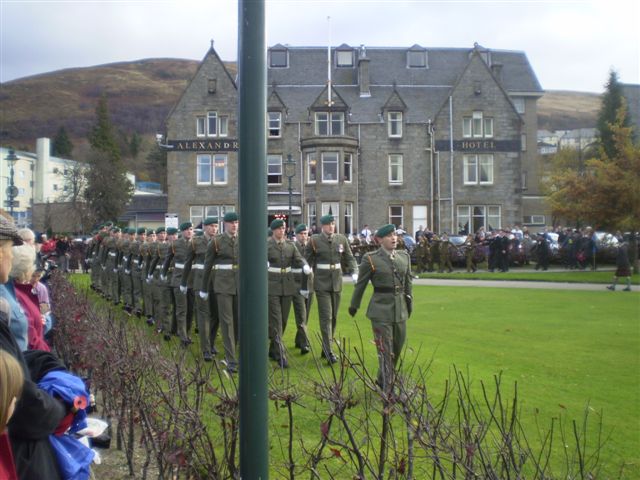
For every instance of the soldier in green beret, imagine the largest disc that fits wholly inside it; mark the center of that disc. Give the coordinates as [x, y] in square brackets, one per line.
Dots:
[147, 285]
[124, 269]
[303, 297]
[282, 257]
[326, 252]
[134, 265]
[389, 271]
[162, 293]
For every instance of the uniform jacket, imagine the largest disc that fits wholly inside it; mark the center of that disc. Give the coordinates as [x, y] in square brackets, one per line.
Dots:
[392, 282]
[158, 253]
[178, 252]
[303, 282]
[283, 256]
[194, 263]
[222, 254]
[326, 257]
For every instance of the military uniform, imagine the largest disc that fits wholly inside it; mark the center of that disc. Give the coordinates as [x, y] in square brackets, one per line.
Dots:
[146, 276]
[136, 271]
[302, 299]
[162, 293]
[444, 254]
[325, 254]
[124, 271]
[390, 306]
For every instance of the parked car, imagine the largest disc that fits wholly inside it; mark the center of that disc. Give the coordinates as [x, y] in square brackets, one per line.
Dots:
[606, 247]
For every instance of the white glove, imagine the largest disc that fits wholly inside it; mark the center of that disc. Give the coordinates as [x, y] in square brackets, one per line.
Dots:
[306, 269]
[115, 270]
[163, 278]
[183, 289]
[149, 280]
[203, 295]
[305, 293]
[354, 277]
[127, 271]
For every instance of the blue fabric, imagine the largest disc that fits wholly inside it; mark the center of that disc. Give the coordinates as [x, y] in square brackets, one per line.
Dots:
[74, 458]
[18, 322]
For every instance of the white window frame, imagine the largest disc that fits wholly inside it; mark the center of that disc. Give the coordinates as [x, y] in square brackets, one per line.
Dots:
[201, 126]
[328, 164]
[534, 220]
[332, 208]
[203, 163]
[487, 125]
[336, 118]
[223, 125]
[519, 104]
[312, 216]
[394, 120]
[488, 216]
[329, 120]
[417, 59]
[274, 169]
[344, 58]
[470, 169]
[485, 169]
[274, 124]
[322, 119]
[476, 125]
[496, 215]
[220, 163]
[523, 142]
[279, 65]
[393, 214]
[312, 167]
[212, 119]
[196, 214]
[347, 168]
[348, 218]
[396, 169]
[477, 169]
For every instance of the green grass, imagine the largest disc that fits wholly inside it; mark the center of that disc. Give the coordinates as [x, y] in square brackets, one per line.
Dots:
[567, 350]
[516, 274]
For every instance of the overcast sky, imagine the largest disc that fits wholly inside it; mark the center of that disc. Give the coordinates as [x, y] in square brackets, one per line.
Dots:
[571, 45]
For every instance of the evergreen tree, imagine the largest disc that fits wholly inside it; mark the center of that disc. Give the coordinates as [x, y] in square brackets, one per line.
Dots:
[157, 165]
[612, 100]
[62, 145]
[102, 137]
[134, 145]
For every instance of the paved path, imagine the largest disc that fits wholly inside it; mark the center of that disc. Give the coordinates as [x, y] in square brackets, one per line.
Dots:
[519, 284]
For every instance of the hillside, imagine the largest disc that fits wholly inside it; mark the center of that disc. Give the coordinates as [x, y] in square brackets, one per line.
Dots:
[141, 94]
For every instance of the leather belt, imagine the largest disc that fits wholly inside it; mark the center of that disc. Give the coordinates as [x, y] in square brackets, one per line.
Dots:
[279, 270]
[395, 290]
[328, 266]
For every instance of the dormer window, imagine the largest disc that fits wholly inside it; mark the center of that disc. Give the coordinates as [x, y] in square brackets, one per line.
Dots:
[344, 58]
[394, 122]
[278, 58]
[417, 57]
[275, 124]
[329, 124]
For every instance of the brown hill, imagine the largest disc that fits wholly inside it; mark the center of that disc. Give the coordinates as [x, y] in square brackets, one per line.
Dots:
[141, 93]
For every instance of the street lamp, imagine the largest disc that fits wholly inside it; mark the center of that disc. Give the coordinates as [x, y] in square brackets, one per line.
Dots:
[12, 190]
[290, 172]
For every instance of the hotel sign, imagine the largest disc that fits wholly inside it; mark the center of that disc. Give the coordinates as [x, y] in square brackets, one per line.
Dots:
[479, 145]
[219, 145]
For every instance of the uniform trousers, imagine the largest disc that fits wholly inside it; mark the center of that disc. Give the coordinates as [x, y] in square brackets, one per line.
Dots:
[328, 304]
[389, 338]
[228, 315]
[183, 312]
[301, 309]
[279, 308]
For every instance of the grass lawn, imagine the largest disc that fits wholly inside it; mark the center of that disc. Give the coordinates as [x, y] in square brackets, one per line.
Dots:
[530, 275]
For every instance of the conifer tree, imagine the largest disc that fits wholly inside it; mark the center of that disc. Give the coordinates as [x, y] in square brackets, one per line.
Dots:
[62, 145]
[612, 100]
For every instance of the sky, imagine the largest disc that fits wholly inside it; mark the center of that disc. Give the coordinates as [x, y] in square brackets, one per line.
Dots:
[571, 45]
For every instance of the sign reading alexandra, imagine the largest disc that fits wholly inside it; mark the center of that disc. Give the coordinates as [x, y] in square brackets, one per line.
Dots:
[479, 145]
[218, 145]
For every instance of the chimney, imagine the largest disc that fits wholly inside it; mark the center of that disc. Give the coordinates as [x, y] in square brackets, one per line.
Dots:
[496, 69]
[43, 155]
[363, 72]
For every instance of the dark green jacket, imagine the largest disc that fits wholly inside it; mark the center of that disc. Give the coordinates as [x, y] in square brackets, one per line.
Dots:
[326, 257]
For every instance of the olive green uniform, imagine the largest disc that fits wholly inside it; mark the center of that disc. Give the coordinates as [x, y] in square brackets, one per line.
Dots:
[302, 303]
[177, 254]
[390, 275]
[147, 280]
[326, 255]
[163, 294]
[124, 270]
[136, 276]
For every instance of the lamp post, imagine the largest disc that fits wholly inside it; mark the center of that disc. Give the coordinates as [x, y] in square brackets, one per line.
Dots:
[12, 190]
[290, 172]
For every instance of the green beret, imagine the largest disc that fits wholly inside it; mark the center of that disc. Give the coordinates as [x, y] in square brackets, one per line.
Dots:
[185, 226]
[172, 230]
[160, 229]
[107, 224]
[141, 231]
[150, 231]
[210, 220]
[385, 230]
[116, 230]
[301, 228]
[277, 223]
[198, 232]
[231, 217]
[326, 219]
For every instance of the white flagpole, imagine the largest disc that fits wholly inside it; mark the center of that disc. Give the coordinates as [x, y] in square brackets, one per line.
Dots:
[329, 65]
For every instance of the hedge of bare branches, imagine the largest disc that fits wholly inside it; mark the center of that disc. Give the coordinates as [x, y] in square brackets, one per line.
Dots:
[180, 415]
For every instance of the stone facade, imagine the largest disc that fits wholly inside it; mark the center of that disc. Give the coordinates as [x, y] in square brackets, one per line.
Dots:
[443, 138]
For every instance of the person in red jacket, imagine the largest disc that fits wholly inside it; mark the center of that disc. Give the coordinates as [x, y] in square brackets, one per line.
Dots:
[11, 383]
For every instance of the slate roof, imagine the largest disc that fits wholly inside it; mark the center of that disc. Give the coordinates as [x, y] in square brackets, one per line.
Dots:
[422, 89]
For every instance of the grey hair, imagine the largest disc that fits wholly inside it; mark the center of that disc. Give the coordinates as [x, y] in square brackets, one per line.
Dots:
[24, 263]
[27, 235]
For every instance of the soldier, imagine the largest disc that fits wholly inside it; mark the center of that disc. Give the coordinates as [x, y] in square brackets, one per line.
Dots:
[223, 254]
[136, 271]
[282, 256]
[177, 254]
[445, 254]
[303, 297]
[389, 271]
[194, 268]
[146, 275]
[325, 252]
[421, 253]
[469, 253]
[124, 269]
[162, 293]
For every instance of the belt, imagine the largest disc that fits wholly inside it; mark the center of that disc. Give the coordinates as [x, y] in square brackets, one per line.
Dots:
[226, 266]
[112, 254]
[296, 270]
[137, 262]
[328, 266]
[395, 290]
[125, 258]
[279, 270]
[178, 265]
[198, 266]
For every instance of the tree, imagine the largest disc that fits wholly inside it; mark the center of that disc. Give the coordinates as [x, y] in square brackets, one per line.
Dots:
[108, 188]
[62, 145]
[612, 100]
[157, 165]
[75, 178]
[134, 145]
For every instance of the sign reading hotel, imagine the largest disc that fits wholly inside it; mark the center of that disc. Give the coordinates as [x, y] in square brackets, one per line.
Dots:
[219, 145]
[480, 145]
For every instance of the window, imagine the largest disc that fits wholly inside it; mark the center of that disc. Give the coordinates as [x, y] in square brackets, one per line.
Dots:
[274, 169]
[55, 187]
[332, 208]
[523, 142]
[196, 214]
[329, 124]
[203, 170]
[275, 122]
[22, 191]
[223, 125]
[348, 218]
[312, 216]
[348, 167]
[212, 124]
[344, 58]
[395, 215]
[478, 169]
[395, 168]
[534, 219]
[416, 59]
[493, 217]
[518, 102]
[330, 167]
[278, 59]
[477, 126]
[201, 123]
[220, 169]
[312, 164]
[395, 124]
[477, 216]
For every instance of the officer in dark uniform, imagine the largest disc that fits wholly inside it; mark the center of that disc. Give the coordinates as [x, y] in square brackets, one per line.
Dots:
[389, 271]
[326, 252]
